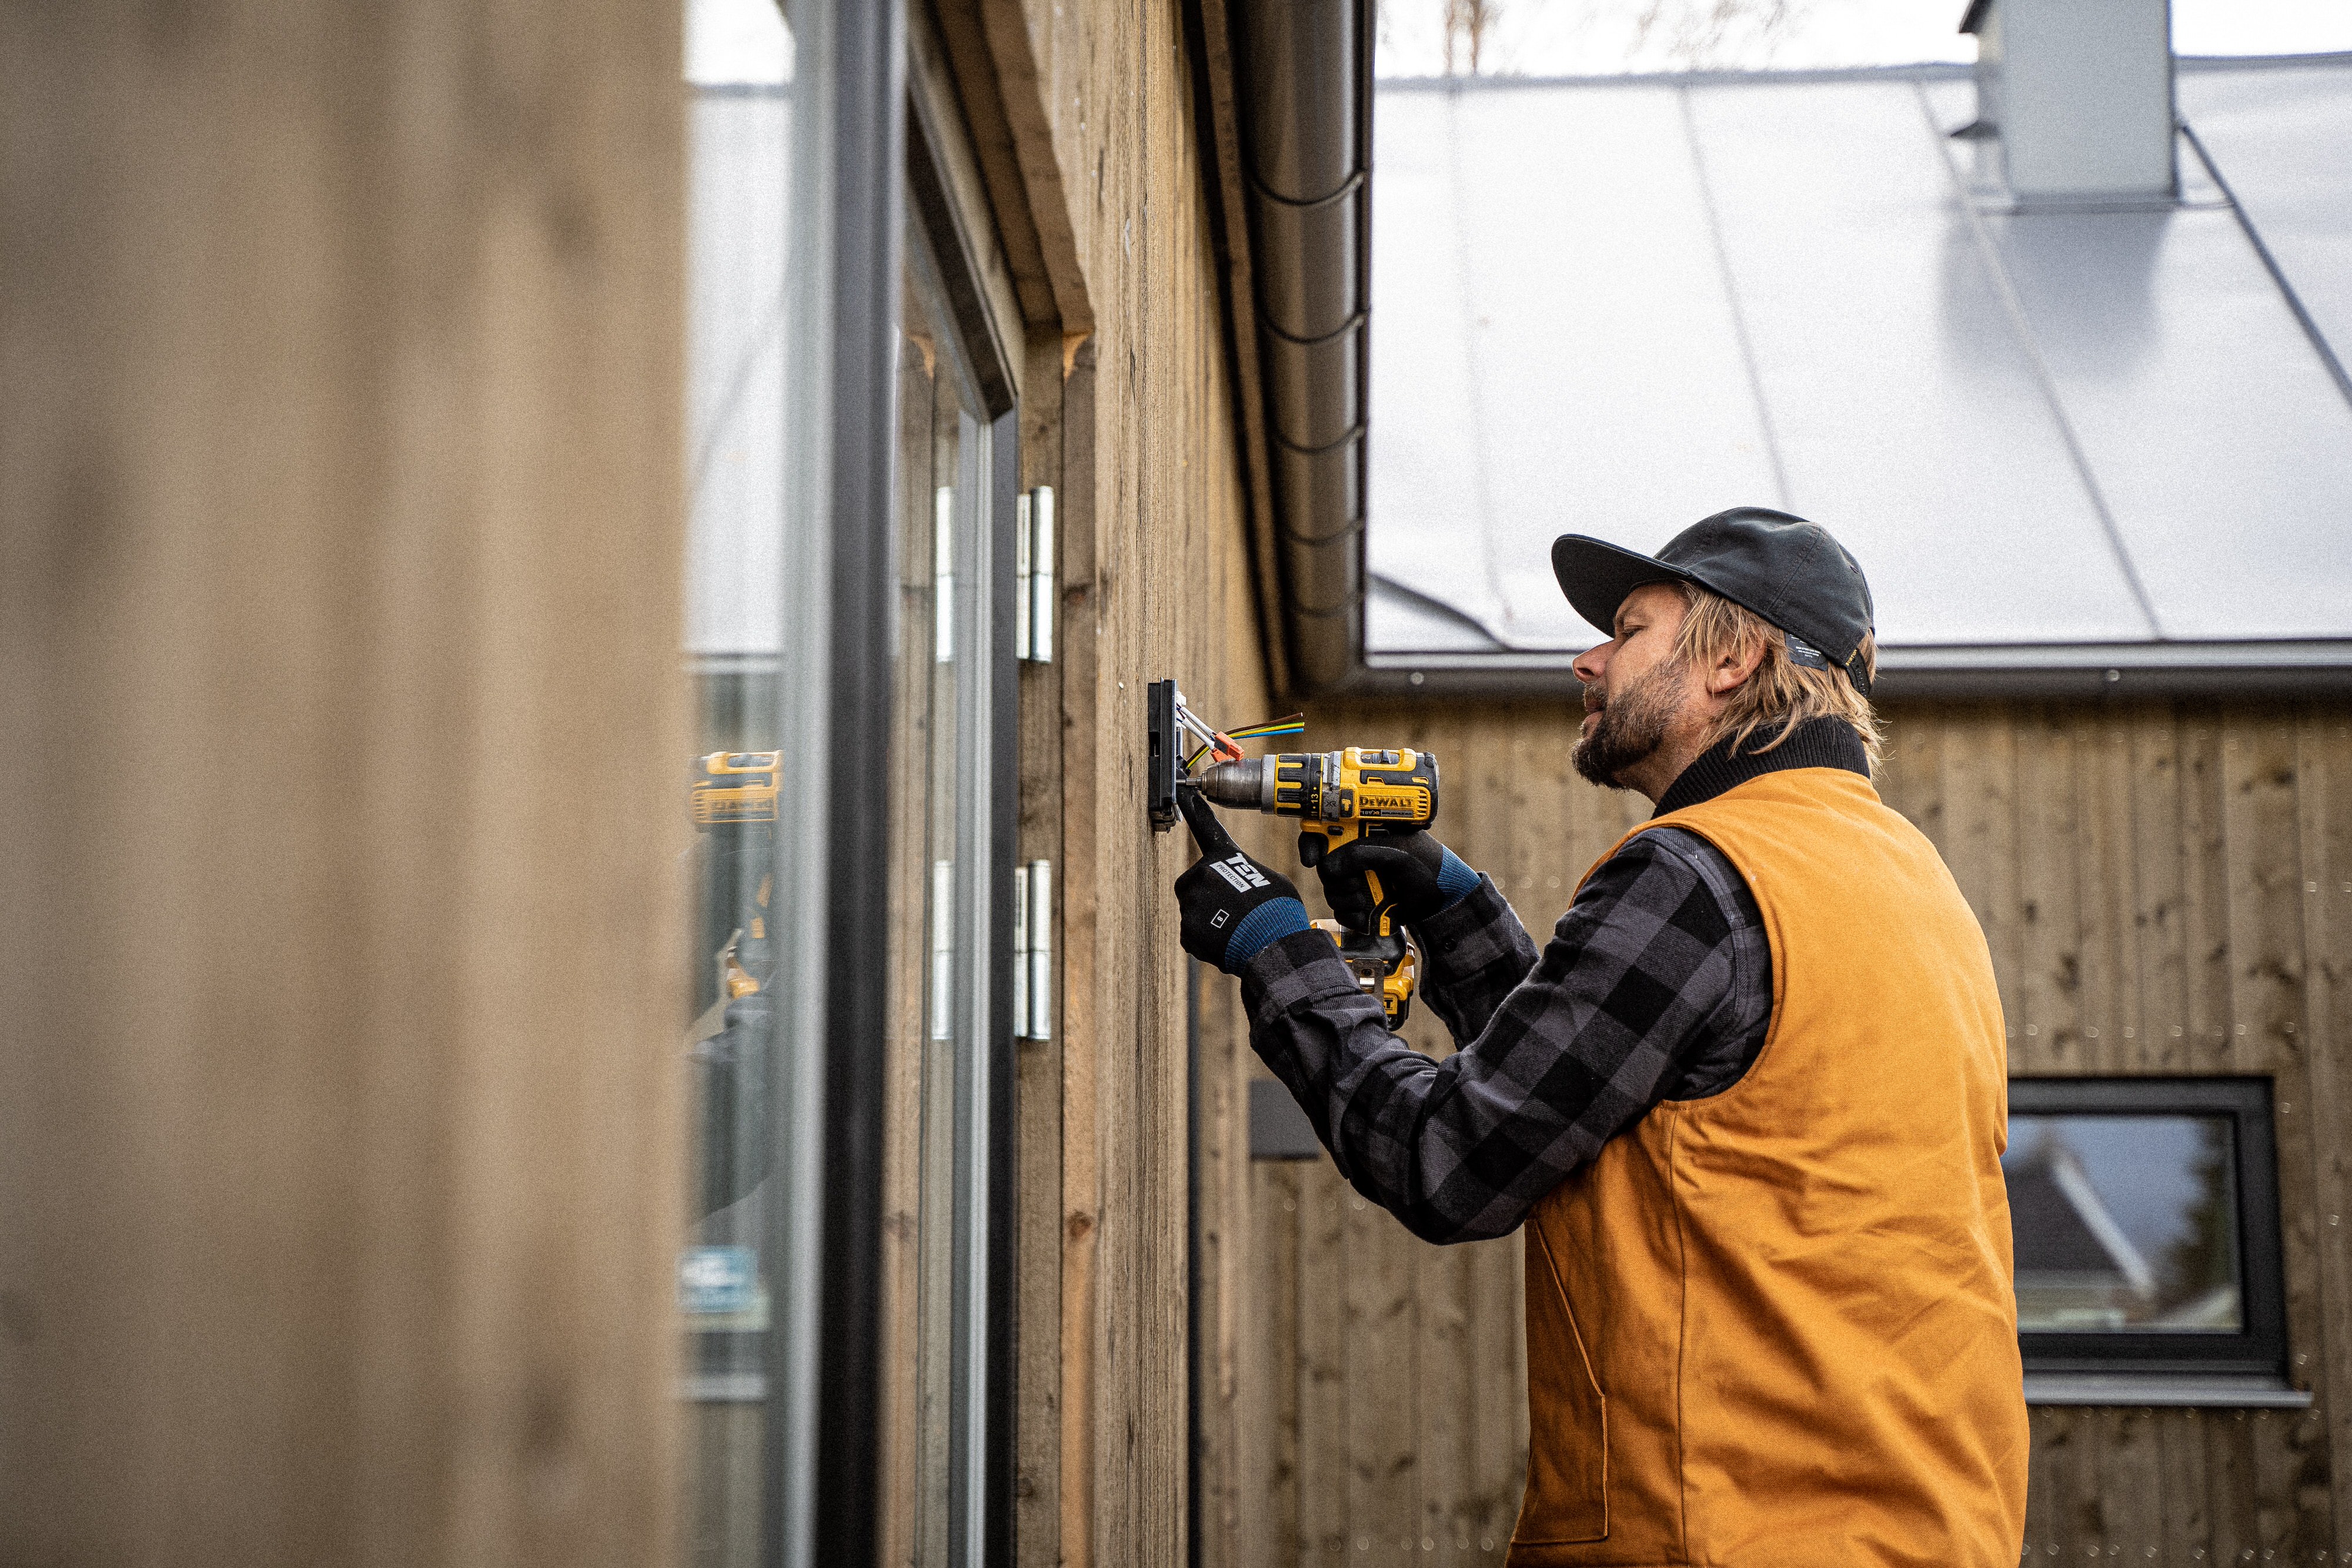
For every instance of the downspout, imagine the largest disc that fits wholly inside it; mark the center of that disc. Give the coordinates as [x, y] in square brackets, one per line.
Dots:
[1303, 81]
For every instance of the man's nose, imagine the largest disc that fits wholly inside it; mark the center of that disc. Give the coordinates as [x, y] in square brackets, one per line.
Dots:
[1593, 663]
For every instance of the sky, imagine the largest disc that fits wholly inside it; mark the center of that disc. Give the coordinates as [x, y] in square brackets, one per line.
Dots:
[1602, 37]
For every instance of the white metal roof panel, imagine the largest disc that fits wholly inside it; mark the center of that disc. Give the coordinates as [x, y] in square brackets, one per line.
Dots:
[2282, 139]
[1665, 298]
[1422, 361]
[1910, 418]
[2219, 441]
[735, 368]
[1399, 618]
[1538, 238]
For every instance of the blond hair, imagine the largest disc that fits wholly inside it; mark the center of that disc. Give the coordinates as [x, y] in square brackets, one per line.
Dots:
[1781, 693]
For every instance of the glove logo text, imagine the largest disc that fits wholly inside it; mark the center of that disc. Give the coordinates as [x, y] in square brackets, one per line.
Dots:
[1238, 870]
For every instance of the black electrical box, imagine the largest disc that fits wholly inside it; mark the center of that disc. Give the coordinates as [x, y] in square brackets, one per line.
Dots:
[1161, 759]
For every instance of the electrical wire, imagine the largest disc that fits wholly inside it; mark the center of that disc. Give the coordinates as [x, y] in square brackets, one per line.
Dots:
[1292, 723]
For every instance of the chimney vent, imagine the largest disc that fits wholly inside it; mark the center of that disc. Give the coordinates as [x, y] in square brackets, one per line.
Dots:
[2080, 94]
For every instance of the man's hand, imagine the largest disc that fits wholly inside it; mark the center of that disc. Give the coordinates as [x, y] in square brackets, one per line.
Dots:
[1418, 877]
[1232, 905]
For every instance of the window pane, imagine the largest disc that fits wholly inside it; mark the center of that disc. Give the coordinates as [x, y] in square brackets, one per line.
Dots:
[738, 652]
[931, 456]
[2125, 1222]
[939, 1240]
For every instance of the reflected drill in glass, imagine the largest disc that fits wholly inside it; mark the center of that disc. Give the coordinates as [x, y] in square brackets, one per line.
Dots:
[740, 60]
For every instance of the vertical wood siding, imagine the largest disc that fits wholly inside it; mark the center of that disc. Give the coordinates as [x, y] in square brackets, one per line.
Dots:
[339, 915]
[1084, 122]
[1158, 588]
[2167, 888]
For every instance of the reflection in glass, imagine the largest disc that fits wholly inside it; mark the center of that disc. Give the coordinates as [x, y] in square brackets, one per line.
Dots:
[740, 61]
[936, 1232]
[2125, 1223]
[931, 451]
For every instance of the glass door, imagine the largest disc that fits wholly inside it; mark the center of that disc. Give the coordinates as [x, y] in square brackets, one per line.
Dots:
[740, 61]
[845, 1280]
[793, 193]
[951, 1140]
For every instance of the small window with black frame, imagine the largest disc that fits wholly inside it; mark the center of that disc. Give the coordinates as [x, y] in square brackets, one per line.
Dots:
[2144, 1214]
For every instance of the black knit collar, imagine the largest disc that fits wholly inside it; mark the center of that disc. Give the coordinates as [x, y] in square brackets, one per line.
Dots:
[1816, 743]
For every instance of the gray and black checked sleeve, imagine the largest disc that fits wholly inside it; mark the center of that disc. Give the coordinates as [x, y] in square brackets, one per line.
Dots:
[1656, 984]
[1474, 953]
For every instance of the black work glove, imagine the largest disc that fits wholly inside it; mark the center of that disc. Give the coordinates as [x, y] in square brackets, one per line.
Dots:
[1418, 875]
[1232, 905]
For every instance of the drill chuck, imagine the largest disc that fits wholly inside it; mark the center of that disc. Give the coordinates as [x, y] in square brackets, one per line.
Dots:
[1248, 785]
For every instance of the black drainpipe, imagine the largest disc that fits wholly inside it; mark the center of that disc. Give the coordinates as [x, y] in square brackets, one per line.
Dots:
[1304, 81]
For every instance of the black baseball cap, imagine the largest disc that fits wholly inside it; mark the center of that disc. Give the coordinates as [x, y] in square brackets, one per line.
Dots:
[1789, 572]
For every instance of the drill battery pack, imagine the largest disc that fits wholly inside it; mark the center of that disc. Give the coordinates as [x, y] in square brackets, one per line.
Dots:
[1384, 966]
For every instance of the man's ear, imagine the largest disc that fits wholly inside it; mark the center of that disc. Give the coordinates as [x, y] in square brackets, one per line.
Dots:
[1733, 670]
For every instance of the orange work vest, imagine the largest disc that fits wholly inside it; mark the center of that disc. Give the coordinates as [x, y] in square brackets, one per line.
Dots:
[1777, 1325]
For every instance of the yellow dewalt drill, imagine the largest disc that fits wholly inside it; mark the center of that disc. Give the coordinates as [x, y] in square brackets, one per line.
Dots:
[736, 793]
[1339, 797]
[733, 799]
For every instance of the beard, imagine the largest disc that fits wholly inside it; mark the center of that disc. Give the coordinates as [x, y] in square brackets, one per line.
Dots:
[1633, 726]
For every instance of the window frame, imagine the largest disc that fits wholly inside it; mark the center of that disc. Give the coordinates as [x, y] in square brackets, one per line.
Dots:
[820, 1471]
[866, 156]
[2260, 1349]
[944, 258]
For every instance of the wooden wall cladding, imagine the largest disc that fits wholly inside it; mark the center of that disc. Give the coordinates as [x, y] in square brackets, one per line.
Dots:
[1155, 585]
[1082, 119]
[340, 931]
[2167, 888]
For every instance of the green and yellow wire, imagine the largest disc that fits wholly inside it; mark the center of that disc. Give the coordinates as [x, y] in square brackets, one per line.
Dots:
[1295, 724]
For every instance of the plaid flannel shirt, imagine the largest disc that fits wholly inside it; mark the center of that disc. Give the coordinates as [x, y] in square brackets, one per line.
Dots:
[1657, 984]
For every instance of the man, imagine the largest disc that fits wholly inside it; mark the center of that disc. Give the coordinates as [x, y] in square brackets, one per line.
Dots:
[1748, 1103]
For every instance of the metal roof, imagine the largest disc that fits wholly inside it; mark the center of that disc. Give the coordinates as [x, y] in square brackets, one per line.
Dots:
[2054, 438]
[736, 238]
